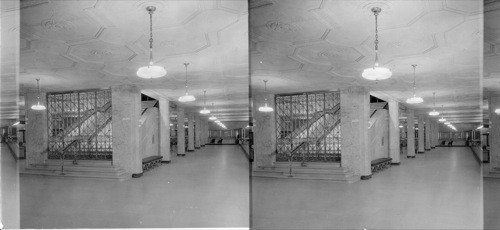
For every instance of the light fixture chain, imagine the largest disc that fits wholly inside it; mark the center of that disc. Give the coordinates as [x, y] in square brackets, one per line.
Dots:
[376, 39]
[151, 37]
[414, 81]
[186, 83]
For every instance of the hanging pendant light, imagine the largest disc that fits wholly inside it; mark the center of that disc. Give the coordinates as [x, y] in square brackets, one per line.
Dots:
[497, 111]
[414, 99]
[376, 72]
[265, 108]
[212, 118]
[186, 97]
[204, 110]
[442, 118]
[38, 106]
[151, 70]
[434, 112]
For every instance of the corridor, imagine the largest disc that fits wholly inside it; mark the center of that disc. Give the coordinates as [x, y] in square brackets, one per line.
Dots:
[441, 189]
[206, 188]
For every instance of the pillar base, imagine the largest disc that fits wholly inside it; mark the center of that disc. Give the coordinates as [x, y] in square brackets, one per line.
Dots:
[179, 155]
[189, 150]
[165, 162]
[421, 152]
[136, 175]
[197, 147]
[395, 163]
[427, 149]
[366, 177]
[410, 156]
[202, 145]
[433, 147]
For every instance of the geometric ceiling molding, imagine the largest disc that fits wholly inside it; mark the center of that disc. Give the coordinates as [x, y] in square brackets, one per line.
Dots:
[464, 7]
[274, 63]
[172, 46]
[99, 51]
[325, 53]
[167, 14]
[233, 6]
[464, 34]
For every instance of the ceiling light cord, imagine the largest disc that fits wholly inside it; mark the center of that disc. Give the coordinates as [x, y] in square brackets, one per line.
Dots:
[376, 38]
[186, 83]
[38, 89]
[414, 82]
[151, 37]
[265, 91]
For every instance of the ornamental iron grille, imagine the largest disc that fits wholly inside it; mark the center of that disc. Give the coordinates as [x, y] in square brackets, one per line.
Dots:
[80, 125]
[308, 127]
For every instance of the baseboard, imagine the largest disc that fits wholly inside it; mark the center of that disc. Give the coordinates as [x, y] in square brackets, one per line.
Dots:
[410, 156]
[136, 175]
[421, 152]
[189, 150]
[197, 147]
[395, 163]
[366, 177]
[165, 162]
[427, 149]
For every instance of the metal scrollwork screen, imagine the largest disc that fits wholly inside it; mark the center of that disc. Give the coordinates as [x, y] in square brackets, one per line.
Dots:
[80, 125]
[308, 127]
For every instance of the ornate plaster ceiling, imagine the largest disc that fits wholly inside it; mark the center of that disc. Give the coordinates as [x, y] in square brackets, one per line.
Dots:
[86, 44]
[325, 45]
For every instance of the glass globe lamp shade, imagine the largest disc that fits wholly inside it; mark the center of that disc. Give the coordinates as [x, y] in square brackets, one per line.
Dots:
[265, 108]
[434, 113]
[38, 107]
[151, 71]
[376, 73]
[205, 111]
[497, 111]
[414, 100]
[442, 119]
[187, 98]
[212, 118]
[447, 123]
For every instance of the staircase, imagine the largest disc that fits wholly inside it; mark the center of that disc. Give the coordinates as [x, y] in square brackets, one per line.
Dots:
[84, 169]
[309, 171]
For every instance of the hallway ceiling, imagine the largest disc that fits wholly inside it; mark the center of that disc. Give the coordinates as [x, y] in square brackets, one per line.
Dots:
[491, 80]
[75, 45]
[325, 45]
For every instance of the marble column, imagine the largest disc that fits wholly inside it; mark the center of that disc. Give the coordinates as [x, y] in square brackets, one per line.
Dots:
[203, 122]
[421, 144]
[181, 133]
[265, 134]
[433, 133]
[206, 131]
[494, 137]
[394, 139]
[436, 133]
[37, 139]
[126, 112]
[197, 129]
[164, 108]
[354, 112]
[427, 134]
[190, 132]
[410, 134]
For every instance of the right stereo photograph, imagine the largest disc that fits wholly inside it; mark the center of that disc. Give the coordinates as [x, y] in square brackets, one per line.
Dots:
[375, 114]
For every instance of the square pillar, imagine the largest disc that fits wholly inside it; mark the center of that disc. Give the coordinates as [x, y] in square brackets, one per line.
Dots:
[421, 147]
[265, 133]
[432, 134]
[354, 112]
[126, 112]
[181, 132]
[190, 132]
[410, 134]
[494, 137]
[427, 134]
[164, 109]
[394, 138]
[197, 129]
[37, 139]
[203, 123]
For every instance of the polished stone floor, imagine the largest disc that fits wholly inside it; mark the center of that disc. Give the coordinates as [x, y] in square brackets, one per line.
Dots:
[441, 189]
[492, 203]
[206, 188]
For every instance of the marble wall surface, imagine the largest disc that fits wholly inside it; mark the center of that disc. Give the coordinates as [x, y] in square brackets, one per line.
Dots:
[394, 137]
[494, 137]
[378, 133]
[427, 134]
[36, 130]
[126, 109]
[164, 120]
[264, 133]
[421, 142]
[197, 130]
[181, 132]
[354, 110]
[149, 143]
[190, 132]
[410, 127]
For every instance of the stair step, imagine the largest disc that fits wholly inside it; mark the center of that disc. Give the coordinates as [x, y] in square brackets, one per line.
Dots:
[88, 163]
[120, 177]
[311, 165]
[347, 179]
